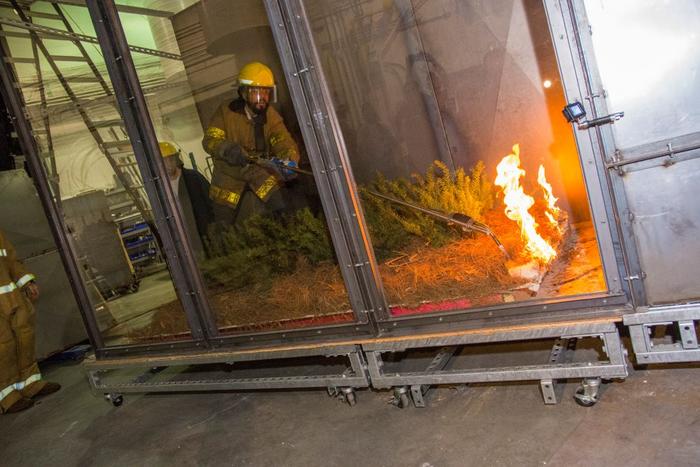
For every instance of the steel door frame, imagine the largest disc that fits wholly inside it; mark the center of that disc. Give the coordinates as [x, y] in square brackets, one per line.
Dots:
[608, 202]
[311, 77]
[327, 153]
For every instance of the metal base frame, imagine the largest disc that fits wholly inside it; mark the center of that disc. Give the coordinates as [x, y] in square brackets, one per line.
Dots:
[365, 367]
[547, 373]
[562, 352]
[343, 383]
[683, 318]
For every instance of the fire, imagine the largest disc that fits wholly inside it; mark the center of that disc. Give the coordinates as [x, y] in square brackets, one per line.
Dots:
[553, 210]
[518, 205]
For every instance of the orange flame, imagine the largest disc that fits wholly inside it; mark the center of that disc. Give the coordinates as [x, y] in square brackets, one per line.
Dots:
[553, 210]
[518, 205]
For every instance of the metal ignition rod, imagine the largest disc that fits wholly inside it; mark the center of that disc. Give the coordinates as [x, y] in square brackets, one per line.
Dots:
[266, 163]
[462, 220]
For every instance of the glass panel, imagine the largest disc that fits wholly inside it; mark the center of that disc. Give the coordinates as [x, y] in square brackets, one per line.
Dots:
[93, 173]
[258, 231]
[455, 107]
[648, 58]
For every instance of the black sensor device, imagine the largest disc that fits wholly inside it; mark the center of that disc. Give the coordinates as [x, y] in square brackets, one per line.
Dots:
[574, 112]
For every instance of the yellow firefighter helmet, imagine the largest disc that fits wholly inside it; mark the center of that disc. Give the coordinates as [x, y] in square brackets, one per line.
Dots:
[167, 149]
[256, 74]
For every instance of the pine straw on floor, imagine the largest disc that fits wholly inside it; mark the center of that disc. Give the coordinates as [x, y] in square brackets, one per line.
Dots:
[578, 269]
[469, 267]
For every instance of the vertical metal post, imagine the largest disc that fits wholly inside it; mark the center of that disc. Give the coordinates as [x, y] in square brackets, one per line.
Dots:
[328, 155]
[167, 214]
[614, 349]
[356, 362]
[616, 204]
[374, 367]
[640, 338]
[48, 202]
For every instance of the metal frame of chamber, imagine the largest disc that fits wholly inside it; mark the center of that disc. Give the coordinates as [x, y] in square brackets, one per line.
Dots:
[374, 332]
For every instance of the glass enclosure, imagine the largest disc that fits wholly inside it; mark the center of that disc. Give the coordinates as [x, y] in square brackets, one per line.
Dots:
[468, 175]
[470, 178]
[256, 225]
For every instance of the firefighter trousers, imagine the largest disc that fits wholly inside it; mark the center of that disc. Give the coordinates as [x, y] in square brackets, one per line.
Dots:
[19, 372]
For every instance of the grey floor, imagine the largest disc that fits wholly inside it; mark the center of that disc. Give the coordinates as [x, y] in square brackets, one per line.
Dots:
[653, 418]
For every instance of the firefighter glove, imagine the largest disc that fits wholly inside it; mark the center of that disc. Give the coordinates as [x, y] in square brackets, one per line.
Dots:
[233, 154]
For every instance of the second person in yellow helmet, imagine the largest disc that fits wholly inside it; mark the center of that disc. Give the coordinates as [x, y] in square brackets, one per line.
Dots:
[240, 133]
[192, 191]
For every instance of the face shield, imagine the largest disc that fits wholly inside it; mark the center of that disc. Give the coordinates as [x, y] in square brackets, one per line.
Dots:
[258, 97]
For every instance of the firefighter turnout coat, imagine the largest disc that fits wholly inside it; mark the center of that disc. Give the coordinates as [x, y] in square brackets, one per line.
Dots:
[19, 373]
[233, 122]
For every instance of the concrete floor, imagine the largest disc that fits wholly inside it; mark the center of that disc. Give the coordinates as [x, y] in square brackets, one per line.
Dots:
[653, 418]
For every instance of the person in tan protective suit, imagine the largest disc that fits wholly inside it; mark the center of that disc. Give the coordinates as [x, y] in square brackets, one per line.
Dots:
[20, 379]
[250, 146]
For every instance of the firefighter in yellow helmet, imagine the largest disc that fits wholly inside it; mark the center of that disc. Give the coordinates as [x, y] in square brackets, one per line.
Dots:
[240, 133]
[20, 379]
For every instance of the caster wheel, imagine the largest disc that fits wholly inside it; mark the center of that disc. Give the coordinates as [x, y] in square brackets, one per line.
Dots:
[401, 398]
[583, 400]
[344, 394]
[350, 399]
[116, 399]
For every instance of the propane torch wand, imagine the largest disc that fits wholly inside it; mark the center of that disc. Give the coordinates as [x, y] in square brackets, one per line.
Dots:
[466, 222]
